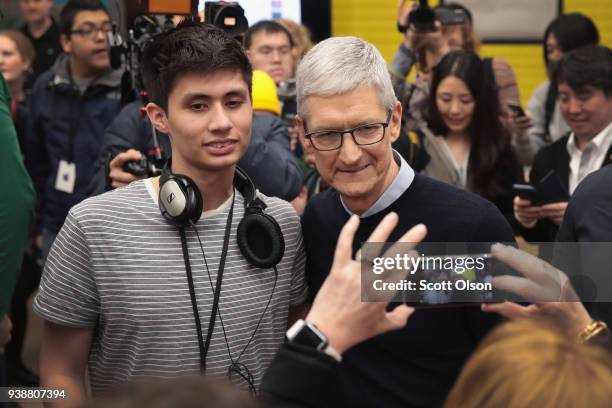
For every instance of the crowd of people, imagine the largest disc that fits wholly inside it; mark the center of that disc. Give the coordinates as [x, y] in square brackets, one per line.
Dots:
[214, 226]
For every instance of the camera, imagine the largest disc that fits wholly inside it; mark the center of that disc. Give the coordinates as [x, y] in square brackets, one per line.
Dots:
[146, 166]
[423, 17]
[229, 16]
[287, 94]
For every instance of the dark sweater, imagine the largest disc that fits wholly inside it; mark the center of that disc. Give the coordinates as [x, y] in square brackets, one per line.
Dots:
[418, 365]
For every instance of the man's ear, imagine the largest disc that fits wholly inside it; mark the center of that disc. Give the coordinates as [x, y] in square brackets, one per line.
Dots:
[158, 117]
[66, 43]
[395, 123]
[299, 127]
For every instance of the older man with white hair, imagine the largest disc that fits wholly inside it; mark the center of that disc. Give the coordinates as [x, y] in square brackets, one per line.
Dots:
[347, 111]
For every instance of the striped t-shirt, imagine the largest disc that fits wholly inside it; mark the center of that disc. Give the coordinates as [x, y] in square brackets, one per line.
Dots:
[117, 265]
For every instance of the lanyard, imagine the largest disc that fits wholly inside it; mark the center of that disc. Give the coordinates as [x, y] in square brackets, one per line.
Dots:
[204, 344]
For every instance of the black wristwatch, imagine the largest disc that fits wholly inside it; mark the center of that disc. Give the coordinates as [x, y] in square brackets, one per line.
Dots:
[306, 334]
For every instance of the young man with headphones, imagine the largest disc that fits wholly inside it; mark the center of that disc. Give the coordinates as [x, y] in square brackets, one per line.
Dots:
[190, 272]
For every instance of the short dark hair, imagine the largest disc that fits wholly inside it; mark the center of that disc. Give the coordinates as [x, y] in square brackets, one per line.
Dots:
[269, 26]
[192, 47]
[72, 8]
[571, 31]
[586, 66]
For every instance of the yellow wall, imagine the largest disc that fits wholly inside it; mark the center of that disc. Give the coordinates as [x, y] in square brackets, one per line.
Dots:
[374, 20]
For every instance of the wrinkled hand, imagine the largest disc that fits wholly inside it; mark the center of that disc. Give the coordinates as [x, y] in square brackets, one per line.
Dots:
[541, 283]
[525, 212]
[118, 176]
[5, 332]
[299, 202]
[338, 310]
[554, 212]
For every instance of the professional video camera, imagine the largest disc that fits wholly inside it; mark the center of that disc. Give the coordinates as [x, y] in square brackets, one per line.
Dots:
[228, 16]
[423, 17]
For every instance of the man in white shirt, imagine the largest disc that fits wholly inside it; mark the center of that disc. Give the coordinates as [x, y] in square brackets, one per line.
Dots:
[584, 79]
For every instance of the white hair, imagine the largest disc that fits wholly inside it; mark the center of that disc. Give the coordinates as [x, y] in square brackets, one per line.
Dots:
[339, 65]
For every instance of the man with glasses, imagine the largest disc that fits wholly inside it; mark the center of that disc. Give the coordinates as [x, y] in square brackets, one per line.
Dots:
[348, 113]
[72, 103]
[269, 47]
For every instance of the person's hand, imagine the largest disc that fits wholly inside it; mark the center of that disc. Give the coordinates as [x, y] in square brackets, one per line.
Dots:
[38, 241]
[403, 17]
[541, 284]
[554, 212]
[5, 332]
[299, 202]
[518, 124]
[526, 213]
[338, 310]
[117, 175]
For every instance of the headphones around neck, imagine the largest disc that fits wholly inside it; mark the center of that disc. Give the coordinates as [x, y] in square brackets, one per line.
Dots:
[259, 236]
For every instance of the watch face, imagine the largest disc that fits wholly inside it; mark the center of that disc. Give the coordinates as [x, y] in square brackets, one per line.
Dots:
[307, 336]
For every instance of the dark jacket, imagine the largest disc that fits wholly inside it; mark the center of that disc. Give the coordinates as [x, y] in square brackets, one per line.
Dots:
[298, 377]
[65, 125]
[16, 202]
[552, 157]
[588, 224]
[268, 159]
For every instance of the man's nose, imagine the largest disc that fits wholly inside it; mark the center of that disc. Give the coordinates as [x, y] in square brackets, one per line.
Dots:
[350, 152]
[574, 105]
[276, 55]
[220, 121]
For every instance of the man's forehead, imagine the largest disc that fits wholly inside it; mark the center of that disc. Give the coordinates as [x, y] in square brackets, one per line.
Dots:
[91, 16]
[263, 37]
[211, 84]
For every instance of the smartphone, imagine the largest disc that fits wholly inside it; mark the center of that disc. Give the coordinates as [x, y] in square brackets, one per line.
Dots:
[457, 280]
[552, 189]
[527, 192]
[516, 109]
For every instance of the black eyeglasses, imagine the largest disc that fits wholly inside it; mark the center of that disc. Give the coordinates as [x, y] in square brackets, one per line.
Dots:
[363, 135]
[90, 30]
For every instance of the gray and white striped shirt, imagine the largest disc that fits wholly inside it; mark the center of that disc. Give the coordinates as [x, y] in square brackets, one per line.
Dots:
[117, 265]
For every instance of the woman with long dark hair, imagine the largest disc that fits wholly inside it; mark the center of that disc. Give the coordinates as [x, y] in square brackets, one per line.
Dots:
[466, 144]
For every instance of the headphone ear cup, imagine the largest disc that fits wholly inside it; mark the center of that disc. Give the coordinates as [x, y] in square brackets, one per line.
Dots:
[261, 240]
[180, 201]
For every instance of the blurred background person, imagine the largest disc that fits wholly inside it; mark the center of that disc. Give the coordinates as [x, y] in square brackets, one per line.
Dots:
[584, 83]
[16, 58]
[72, 104]
[467, 145]
[16, 61]
[302, 41]
[563, 34]
[44, 33]
[270, 46]
[16, 205]
[530, 363]
[428, 48]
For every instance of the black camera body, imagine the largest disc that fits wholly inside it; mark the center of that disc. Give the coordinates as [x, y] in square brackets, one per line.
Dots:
[146, 166]
[229, 16]
[424, 17]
